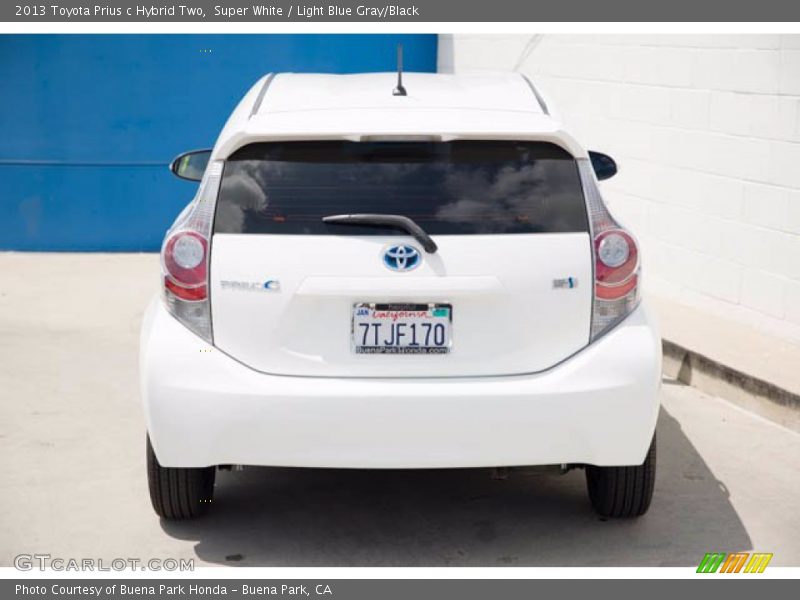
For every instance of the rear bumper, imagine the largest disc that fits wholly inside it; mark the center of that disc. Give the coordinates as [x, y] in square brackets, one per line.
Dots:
[204, 408]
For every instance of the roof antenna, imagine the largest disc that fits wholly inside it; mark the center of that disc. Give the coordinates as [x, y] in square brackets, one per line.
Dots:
[399, 90]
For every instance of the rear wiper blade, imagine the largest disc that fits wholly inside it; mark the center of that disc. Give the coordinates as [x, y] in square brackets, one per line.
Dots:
[393, 221]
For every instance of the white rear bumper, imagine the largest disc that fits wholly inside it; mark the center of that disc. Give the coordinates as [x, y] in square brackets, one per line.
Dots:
[204, 408]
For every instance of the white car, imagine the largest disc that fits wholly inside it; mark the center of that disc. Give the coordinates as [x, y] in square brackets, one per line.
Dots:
[375, 276]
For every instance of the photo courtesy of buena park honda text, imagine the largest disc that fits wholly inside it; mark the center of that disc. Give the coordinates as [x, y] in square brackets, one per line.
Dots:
[437, 299]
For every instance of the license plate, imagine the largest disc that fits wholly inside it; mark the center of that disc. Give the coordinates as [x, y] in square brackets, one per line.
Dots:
[402, 328]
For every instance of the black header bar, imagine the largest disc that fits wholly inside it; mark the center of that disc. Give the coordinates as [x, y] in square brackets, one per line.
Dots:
[338, 11]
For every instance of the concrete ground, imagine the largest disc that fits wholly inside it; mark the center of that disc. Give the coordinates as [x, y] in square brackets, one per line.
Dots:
[753, 368]
[73, 485]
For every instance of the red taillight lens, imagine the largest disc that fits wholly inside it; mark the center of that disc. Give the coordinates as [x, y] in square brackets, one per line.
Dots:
[198, 293]
[617, 259]
[605, 292]
[185, 255]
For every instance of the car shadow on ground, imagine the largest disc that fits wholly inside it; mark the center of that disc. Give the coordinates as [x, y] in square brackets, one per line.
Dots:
[461, 517]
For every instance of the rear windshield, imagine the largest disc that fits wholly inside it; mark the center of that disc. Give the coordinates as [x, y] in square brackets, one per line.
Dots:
[462, 187]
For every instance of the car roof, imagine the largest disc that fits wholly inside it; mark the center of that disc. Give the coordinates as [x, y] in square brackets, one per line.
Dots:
[323, 106]
[303, 92]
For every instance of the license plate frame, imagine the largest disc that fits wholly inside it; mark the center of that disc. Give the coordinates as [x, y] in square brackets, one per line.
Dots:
[410, 307]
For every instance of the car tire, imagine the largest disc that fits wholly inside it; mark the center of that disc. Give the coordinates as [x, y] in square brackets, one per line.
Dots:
[178, 493]
[623, 492]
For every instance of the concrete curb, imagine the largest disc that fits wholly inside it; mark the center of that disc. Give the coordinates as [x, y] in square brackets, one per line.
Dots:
[750, 392]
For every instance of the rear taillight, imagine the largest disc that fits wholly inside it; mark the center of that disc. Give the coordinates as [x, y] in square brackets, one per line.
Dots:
[185, 257]
[185, 265]
[616, 260]
[616, 264]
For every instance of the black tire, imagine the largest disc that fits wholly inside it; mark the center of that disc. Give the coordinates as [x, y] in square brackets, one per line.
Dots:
[178, 493]
[623, 492]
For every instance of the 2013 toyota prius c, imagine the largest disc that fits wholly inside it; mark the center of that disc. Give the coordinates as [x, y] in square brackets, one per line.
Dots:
[384, 276]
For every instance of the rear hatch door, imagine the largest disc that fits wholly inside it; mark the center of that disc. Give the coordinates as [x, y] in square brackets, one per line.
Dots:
[507, 291]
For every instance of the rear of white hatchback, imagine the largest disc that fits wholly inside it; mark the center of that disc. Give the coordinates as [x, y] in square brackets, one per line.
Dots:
[371, 280]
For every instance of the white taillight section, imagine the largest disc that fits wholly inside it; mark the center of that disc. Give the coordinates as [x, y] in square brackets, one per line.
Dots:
[189, 251]
[616, 260]
[613, 249]
[185, 257]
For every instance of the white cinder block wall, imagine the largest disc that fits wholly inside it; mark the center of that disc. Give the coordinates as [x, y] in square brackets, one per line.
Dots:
[706, 131]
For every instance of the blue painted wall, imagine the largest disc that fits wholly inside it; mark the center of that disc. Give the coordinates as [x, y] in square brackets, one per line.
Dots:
[88, 123]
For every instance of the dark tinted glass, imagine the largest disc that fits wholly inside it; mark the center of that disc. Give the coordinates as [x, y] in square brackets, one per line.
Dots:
[463, 187]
